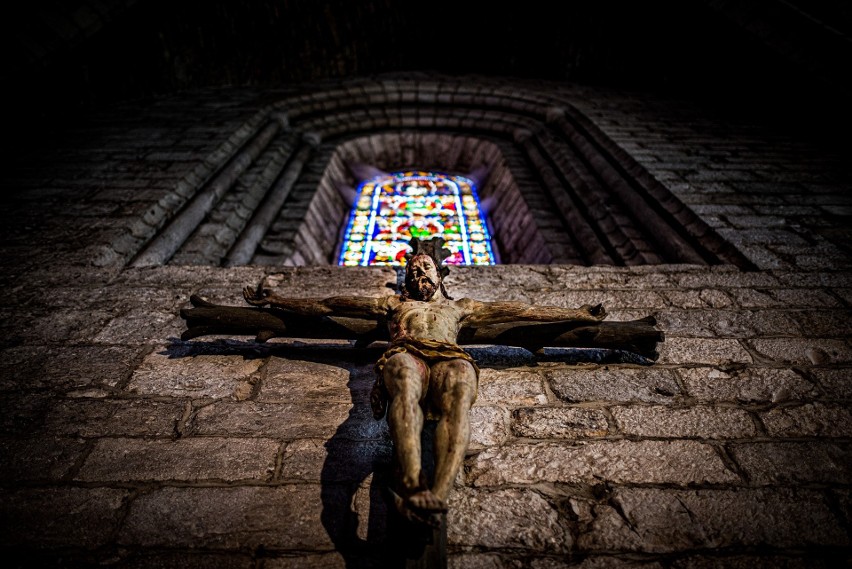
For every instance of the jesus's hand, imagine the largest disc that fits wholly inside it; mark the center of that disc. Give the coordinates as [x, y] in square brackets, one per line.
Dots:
[256, 297]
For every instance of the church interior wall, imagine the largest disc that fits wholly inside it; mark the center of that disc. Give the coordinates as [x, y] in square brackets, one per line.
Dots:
[123, 446]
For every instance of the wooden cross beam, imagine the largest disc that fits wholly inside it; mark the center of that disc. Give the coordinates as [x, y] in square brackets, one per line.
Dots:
[637, 337]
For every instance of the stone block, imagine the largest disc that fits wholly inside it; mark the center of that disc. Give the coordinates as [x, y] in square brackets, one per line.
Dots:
[805, 298]
[832, 323]
[41, 458]
[809, 561]
[65, 325]
[837, 383]
[141, 326]
[282, 517]
[656, 520]
[480, 561]
[335, 460]
[811, 420]
[114, 417]
[618, 384]
[289, 380]
[22, 366]
[726, 323]
[305, 282]
[188, 560]
[804, 352]
[724, 279]
[611, 299]
[288, 420]
[487, 426]
[333, 560]
[702, 421]
[748, 385]
[619, 462]
[510, 387]
[183, 459]
[700, 351]
[60, 368]
[794, 462]
[181, 371]
[697, 298]
[559, 422]
[594, 562]
[60, 517]
[510, 518]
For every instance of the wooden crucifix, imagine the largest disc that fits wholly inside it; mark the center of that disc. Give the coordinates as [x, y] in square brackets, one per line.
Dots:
[424, 373]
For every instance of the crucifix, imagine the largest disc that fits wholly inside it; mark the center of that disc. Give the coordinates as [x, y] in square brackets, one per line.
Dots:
[424, 373]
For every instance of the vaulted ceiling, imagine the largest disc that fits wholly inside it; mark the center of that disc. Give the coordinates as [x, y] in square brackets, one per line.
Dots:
[63, 57]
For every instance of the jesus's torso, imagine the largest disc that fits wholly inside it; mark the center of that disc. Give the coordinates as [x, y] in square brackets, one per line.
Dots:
[438, 319]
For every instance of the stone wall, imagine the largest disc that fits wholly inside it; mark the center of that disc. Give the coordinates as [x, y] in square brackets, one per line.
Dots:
[123, 446]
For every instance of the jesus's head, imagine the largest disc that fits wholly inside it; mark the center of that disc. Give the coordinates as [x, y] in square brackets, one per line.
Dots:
[422, 278]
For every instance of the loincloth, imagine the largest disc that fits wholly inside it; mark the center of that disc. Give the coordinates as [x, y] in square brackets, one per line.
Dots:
[430, 351]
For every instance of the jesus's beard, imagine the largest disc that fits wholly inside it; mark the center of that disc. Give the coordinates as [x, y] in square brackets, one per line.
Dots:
[423, 289]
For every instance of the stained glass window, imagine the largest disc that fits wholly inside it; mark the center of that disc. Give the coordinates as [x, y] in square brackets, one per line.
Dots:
[393, 208]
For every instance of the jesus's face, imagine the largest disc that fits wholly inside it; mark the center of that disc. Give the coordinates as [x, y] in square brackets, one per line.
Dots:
[422, 279]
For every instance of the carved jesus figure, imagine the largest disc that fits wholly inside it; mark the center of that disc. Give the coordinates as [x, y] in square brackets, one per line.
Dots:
[424, 373]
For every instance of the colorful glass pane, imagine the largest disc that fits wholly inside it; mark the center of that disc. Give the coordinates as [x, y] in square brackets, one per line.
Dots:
[393, 208]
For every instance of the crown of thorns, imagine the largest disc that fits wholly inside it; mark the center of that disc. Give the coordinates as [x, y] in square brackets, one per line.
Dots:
[433, 248]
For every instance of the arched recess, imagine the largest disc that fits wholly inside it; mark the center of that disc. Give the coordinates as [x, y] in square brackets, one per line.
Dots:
[517, 236]
[587, 201]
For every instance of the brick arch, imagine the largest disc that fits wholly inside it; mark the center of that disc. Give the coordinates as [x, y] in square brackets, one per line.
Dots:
[589, 201]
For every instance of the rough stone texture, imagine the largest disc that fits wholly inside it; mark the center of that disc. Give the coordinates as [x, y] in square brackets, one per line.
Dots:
[748, 385]
[178, 372]
[505, 518]
[140, 326]
[559, 423]
[794, 463]
[289, 380]
[836, 382]
[480, 561]
[187, 459]
[703, 351]
[701, 421]
[56, 368]
[659, 520]
[190, 561]
[60, 517]
[487, 426]
[329, 560]
[813, 419]
[41, 458]
[510, 387]
[147, 451]
[804, 351]
[651, 385]
[620, 462]
[315, 460]
[810, 561]
[290, 420]
[115, 417]
[285, 517]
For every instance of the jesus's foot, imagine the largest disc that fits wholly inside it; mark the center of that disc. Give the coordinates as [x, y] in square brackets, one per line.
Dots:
[426, 501]
[416, 510]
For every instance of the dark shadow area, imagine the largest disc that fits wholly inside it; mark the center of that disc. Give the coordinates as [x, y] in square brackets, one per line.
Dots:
[357, 509]
[785, 63]
[496, 357]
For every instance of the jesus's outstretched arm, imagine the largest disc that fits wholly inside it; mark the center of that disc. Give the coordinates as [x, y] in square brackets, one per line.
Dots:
[483, 313]
[348, 306]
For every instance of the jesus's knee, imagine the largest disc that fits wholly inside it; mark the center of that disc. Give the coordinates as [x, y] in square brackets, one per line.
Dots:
[403, 376]
[457, 385]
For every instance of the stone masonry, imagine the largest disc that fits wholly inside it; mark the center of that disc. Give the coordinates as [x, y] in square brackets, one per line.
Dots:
[124, 447]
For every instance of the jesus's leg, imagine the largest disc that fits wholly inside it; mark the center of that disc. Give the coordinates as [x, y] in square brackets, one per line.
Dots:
[406, 379]
[453, 385]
